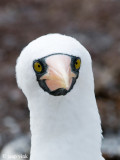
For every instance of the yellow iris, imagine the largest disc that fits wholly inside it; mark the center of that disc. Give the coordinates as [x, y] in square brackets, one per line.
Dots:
[77, 63]
[37, 67]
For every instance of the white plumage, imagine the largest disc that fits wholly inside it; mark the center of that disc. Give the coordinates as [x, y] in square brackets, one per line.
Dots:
[62, 127]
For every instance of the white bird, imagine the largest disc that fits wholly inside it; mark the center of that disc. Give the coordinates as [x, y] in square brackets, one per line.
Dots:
[55, 74]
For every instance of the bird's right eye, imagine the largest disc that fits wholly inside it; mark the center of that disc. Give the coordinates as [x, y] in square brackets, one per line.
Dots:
[37, 67]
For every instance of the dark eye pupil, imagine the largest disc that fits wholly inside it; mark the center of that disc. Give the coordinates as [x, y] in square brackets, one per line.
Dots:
[38, 65]
[76, 63]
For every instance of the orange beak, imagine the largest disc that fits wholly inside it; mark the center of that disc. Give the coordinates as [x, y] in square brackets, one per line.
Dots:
[59, 74]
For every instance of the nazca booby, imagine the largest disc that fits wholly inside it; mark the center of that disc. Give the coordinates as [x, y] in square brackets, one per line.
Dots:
[55, 74]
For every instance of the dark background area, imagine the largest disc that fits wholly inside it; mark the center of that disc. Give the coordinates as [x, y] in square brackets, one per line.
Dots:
[95, 23]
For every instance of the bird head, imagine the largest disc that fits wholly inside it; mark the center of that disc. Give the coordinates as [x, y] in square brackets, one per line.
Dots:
[51, 64]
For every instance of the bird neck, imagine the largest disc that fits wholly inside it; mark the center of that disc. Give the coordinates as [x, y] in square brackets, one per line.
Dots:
[65, 127]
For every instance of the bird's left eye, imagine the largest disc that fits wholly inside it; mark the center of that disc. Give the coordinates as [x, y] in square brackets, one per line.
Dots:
[37, 67]
[77, 63]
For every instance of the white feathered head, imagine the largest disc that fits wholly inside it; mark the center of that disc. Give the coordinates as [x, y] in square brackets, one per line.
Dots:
[53, 64]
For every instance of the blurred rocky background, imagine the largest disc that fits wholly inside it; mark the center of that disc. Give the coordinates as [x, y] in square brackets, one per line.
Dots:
[96, 24]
